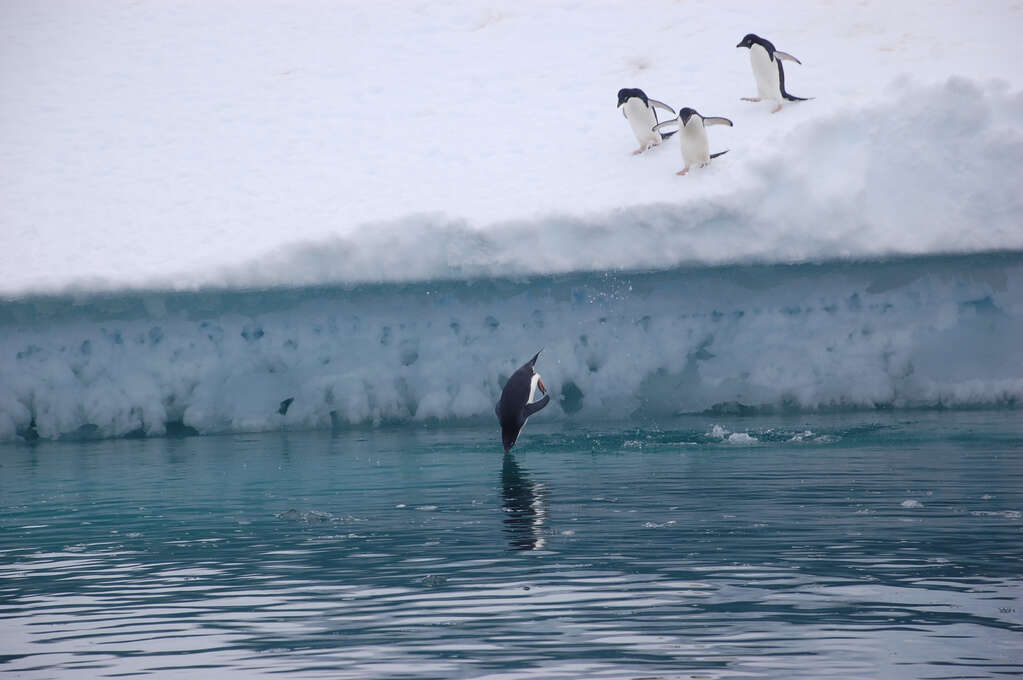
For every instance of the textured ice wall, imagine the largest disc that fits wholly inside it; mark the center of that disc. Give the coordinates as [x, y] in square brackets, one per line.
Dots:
[934, 332]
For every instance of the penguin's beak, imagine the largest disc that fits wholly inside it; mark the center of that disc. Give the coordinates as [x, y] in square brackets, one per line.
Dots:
[739, 45]
[543, 388]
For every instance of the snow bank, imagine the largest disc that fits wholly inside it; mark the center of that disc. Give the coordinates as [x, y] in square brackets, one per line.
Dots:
[176, 146]
[934, 170]
[931, 333]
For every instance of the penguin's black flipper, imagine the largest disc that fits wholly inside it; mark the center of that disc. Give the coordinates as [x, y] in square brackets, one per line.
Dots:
[716, 120]
[537, 405]
[665, 135]
[719, 153]
[665, 123]
[778, 54]
[662, 105]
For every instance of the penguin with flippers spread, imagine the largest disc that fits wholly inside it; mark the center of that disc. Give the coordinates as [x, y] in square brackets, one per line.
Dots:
[768, 71]
[693, 137]
[641, 112]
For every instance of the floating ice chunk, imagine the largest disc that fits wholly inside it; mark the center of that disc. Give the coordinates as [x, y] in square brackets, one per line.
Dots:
[1007, 514]
[659, 525]
[313, 517]
[911, 503]
[734, 438]
[742, 439]
[812, 437]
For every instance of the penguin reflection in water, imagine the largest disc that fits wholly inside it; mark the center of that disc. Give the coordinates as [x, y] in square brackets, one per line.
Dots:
[525, 507]
[768, 71]
[641, 112]
[518, 401]
[693, 137]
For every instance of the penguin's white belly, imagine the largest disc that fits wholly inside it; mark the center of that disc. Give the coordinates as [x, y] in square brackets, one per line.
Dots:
[642, 119]
[765, 71]
[695, 148]
[533, 382]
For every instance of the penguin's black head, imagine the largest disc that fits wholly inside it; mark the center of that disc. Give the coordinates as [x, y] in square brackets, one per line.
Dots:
[750, 40]
[627, 93]
[685, 114]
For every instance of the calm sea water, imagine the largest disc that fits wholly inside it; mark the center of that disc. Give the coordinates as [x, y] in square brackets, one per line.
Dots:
[861, 546]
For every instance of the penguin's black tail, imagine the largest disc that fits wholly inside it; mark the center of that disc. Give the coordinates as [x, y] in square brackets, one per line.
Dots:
[665, 135]
[781, 86]
[719, 153]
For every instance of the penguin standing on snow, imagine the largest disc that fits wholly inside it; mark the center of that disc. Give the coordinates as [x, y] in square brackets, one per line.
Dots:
[641, 112]
[768, 71]
[517, 401]
[693, 137]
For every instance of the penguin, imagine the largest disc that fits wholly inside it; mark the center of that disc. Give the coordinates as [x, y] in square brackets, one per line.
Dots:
[768, 71]
[641, 112]
[517, 401]
[693, 137]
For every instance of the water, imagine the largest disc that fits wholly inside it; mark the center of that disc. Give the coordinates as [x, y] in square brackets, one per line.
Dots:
[860, 546]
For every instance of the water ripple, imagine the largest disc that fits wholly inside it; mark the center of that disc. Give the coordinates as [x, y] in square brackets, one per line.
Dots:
[789, 559]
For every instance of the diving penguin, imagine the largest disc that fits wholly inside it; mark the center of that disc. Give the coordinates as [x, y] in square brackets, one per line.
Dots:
[693, 137]
[768, 71]
[641, 112]
[517, 401]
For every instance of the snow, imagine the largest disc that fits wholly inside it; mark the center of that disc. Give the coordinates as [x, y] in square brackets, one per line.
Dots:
[379, 210]
[179, 146]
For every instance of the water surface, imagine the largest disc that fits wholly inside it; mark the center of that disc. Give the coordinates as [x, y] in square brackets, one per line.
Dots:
[860, 546]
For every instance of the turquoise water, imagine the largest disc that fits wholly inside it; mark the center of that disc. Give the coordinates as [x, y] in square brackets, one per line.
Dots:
[872, 545]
